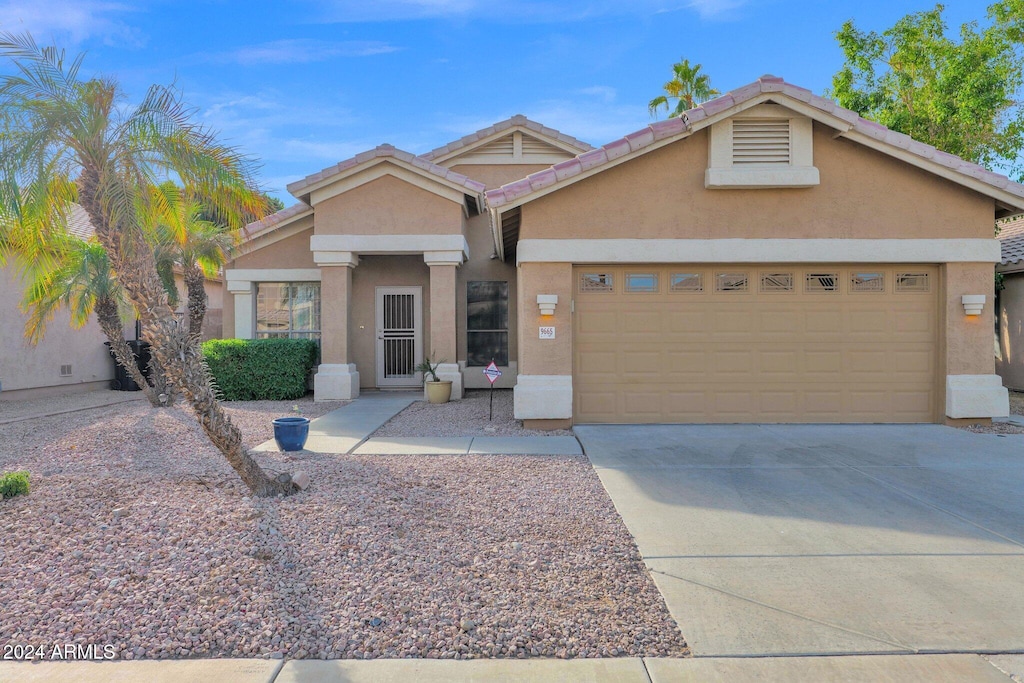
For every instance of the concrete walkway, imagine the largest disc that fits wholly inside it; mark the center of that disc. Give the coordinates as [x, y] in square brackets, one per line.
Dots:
[347, 430]
[932, 668]
[341, 430]
[770, 540]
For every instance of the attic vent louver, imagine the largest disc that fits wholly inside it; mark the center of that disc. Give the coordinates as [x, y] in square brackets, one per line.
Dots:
[760, 141]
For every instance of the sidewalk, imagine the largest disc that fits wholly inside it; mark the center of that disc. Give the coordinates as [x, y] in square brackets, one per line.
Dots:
[932, 668]
[347, 430]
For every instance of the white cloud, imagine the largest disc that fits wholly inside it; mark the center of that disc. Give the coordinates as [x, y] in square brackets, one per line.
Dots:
[605, 93]
[300, 51]
[71, 21]
[715, 9]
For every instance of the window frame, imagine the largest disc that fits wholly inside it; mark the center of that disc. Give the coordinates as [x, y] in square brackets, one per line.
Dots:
[291, 332]
[491, 331]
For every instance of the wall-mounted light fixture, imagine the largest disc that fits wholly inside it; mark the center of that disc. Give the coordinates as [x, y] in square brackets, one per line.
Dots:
[547, 303]
[973, 303]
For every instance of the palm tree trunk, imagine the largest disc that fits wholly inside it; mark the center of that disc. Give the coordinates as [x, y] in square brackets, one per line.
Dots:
[180, 359]
[110, 323]
[195, 286]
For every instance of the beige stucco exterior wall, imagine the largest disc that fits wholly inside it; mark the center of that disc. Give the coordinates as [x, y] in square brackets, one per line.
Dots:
[228, 317]
[1010, 361]
[388, 206]
[969, 346]
[24, 367]
[291, 252]
[497, 175]
[545, 356]
[373, 272]
[863, 194]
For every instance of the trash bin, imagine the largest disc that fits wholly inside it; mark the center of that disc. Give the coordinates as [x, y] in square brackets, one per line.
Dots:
[122, 380]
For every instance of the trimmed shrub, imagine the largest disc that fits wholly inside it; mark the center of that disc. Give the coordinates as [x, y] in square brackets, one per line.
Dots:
[260, 369]
[13, 484]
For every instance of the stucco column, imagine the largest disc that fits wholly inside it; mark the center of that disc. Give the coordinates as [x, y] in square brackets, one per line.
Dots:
[336, 378]
[241, 290]
[973, 390]
[442, 344]
[543, 391]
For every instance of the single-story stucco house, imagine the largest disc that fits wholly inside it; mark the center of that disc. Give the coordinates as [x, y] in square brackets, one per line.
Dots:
[768, 257]
[69, 360]
[1010, 304]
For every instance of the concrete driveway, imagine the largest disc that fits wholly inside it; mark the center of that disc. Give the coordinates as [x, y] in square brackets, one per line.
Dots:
[807, 539]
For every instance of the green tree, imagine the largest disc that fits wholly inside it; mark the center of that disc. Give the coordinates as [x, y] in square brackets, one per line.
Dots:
[77, 278]
[68, 139]
[184, 239]
[959, 93]
[688, 88]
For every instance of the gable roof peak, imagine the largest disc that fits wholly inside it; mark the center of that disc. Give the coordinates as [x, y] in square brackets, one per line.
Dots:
[516, 121]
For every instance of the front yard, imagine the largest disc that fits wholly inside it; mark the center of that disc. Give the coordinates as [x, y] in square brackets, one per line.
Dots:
[137, 534]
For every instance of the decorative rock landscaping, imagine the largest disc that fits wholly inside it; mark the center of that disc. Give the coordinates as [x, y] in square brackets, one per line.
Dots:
[138, 535]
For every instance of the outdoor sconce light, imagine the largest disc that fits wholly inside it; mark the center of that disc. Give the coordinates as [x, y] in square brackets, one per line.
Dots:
[547, 303]
[973, 303]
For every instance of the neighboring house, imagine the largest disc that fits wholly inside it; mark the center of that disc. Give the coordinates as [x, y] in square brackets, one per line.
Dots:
[769, 257]
[1010, 310]
[67, 359]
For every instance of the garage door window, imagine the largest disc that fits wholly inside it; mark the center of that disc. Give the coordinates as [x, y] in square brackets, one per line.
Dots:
[641, 282]
[776, 282]
[911, 282]
[596, 282]
[731, 282]
[821, 282]
[486, 323]
[687, 282]
[867, 282]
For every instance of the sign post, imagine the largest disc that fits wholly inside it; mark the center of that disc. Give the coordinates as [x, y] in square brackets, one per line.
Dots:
[492, 373]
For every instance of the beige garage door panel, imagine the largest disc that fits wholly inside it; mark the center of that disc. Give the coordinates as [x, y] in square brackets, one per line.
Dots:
[753, 356]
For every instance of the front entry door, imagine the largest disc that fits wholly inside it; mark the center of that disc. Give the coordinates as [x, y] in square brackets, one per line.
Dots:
[399, 336]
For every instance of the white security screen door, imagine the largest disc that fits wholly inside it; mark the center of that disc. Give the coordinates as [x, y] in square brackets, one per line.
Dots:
[399, 336]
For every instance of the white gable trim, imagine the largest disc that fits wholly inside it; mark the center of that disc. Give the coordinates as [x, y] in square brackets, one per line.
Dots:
[378, 168]
[453, 158]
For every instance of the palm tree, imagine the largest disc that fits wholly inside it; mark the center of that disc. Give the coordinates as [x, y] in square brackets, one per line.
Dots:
[688, 87]
[79, 279]
[185, 239]
[67, 139]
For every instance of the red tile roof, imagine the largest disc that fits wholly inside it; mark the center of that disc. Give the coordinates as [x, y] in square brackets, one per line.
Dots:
[386, 151]
[685, 124]
[1011, 239]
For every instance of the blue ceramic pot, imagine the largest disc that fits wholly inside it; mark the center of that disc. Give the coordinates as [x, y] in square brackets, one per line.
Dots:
[291, 433]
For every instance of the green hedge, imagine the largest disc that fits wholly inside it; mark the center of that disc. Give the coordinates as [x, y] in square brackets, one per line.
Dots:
[13, 484]
[260, 369]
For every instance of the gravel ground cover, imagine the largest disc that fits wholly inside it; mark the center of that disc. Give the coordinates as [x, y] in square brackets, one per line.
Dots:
[138, 535]
[1016, 403]
[995, 428]
[467, 417]
[14, 409]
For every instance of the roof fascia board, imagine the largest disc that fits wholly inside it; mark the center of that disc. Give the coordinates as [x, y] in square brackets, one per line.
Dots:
[276, 234]
[537, 194]
[378, 168]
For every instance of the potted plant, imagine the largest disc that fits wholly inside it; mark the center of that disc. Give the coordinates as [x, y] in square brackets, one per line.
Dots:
[291, 432]
[438, 390]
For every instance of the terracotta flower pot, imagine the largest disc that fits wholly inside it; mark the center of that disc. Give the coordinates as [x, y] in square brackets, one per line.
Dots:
[439, 392]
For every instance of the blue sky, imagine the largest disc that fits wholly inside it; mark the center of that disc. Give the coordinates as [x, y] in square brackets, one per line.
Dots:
[303, 85]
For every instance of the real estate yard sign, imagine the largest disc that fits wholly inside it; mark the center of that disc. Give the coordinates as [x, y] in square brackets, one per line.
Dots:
[492, 373]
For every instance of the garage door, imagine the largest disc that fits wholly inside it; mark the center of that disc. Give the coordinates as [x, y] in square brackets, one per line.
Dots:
[748, 343]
